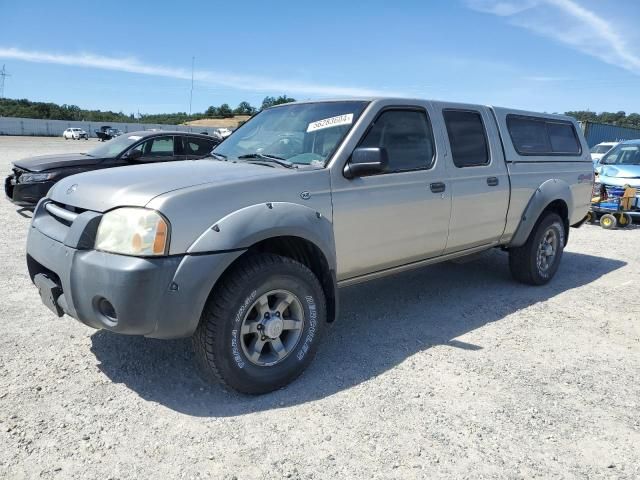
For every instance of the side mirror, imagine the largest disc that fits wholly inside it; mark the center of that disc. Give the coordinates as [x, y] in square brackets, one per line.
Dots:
[133, 155]
[366, 161]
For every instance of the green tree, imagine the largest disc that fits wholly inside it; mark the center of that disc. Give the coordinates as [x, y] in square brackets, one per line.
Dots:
[225, 111]
[271, 101]
[244, 108]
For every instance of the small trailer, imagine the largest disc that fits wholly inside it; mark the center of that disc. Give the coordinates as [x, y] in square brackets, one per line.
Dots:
[614, 206]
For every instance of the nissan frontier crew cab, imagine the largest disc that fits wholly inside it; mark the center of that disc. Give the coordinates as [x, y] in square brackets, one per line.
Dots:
[245, 252]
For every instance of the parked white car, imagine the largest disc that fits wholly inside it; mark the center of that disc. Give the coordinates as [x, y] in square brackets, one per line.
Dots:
[75, 134]
[224, 132]
[600, 150]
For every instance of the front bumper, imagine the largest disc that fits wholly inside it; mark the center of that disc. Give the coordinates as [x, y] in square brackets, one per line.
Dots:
[25, 194]
[155, 297]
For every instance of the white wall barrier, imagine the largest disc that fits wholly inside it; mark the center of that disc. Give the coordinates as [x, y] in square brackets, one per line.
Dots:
[54, 128]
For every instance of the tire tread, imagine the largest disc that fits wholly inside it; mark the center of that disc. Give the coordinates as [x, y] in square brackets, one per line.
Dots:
[520, 257]
[221, 302]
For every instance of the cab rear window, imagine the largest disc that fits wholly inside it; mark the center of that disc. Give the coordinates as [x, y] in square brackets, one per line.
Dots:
[543, 136]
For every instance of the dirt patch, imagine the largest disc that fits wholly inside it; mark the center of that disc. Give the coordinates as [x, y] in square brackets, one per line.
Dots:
[220, 122]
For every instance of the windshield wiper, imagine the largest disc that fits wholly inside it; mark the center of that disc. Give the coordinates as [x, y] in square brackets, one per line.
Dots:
[219, 156]
[267, 158]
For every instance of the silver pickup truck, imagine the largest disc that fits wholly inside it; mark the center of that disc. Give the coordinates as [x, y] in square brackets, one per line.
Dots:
[245, 252]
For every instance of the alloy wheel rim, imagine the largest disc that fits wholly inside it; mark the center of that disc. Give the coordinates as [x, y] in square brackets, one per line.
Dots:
[272, 327]
[547, 250]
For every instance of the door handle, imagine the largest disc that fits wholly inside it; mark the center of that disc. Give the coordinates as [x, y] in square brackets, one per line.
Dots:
[437, 187]
[492, 181]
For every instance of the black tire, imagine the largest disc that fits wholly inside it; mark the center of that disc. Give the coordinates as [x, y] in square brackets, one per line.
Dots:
[608, 221]
[624, 220]
[524, 261]
[218, 342]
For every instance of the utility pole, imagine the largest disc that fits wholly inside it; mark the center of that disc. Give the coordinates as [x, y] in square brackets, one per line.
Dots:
[3, 75]
[193, 60]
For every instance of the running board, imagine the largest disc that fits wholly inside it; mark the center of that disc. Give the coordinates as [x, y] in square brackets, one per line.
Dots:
[411, 266]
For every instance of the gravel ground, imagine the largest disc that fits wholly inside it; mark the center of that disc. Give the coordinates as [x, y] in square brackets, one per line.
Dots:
[452, 371]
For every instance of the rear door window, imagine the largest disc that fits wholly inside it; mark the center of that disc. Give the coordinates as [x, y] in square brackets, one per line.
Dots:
[199, 147]
[540, 136]
[467, 137]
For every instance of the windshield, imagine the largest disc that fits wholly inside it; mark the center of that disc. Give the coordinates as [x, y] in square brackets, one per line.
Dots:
[601, 148]
[113, 148]
[623, 155]
[303, 134]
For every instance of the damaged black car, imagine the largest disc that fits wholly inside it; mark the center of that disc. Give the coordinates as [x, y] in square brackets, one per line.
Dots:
[32, 177]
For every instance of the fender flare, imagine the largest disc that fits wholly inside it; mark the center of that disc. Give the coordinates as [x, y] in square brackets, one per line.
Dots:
[548, 192]
[249, 225]
[239, 230]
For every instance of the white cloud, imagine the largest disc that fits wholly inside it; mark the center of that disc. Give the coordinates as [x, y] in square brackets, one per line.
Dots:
[568, 22]
[545, 78]
[239, 82]
[502, 8]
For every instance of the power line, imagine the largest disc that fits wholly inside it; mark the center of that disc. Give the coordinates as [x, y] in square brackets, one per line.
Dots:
[3, 75]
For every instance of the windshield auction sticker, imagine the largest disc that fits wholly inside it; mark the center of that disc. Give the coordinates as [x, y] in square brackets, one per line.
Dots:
[346, 119]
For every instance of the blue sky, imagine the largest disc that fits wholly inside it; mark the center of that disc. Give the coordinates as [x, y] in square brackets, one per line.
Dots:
[548, 55]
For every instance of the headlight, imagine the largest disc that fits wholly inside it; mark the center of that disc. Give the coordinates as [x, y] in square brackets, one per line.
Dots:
[133, 231]
[36, 177]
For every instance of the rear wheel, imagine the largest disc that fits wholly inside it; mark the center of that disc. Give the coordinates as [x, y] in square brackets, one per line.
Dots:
[624, 220]
[537, 261]
[262, 324]
[608, 221]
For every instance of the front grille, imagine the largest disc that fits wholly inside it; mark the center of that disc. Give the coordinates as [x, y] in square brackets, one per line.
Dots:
[70, 208]
[64, 214]
[66, 223]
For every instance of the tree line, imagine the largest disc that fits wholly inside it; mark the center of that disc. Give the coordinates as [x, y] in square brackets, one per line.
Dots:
[41, 110]
[618, 118]
[51, 111]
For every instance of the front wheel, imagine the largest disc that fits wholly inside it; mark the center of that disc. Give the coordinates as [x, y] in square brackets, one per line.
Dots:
[262, 324]
[608, 221]
[537, 261]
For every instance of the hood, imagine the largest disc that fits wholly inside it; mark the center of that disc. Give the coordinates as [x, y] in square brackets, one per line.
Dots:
[51, 162]
[137, 185]
[619, 181]
[620, 171]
